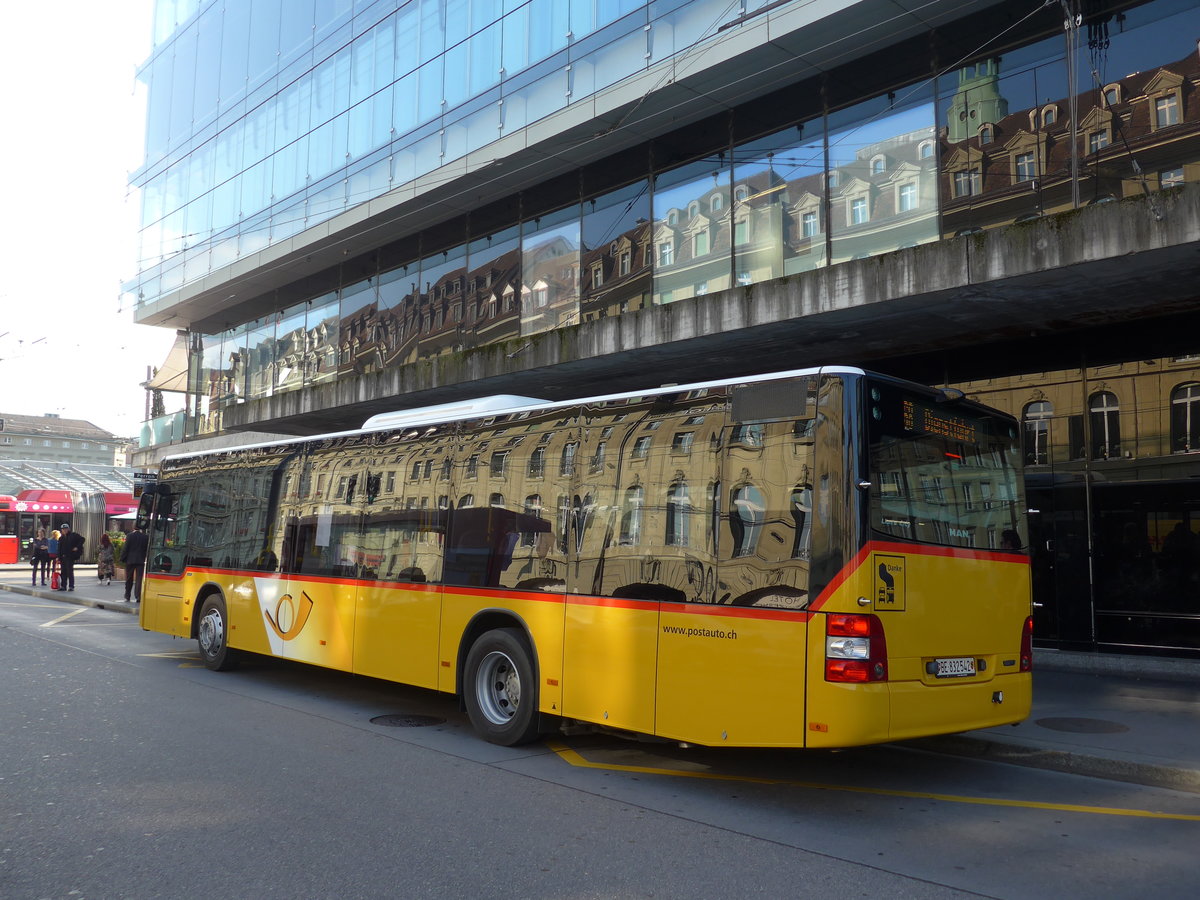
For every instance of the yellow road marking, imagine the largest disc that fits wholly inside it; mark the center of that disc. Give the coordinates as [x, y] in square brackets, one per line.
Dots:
[574, 758]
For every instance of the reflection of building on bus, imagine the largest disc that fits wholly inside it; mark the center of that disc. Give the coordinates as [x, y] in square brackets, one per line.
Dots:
[609, 560]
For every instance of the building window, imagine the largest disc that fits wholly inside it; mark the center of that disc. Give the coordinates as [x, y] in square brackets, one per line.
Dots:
[499, 463]
[597, 275]
[985, 134]
[1166, 111]
[858, 211]
[908, 197]
[741, 232]
[1171, 178]
[1036, 421]
[1112, 95]
[693, 209]
[66, 444]
[746, 514]
[597, 461]
[740, 194]
[678, 509]
[926, 150]
[472, 465]
[833, 179]
[700, 243]
[537, 462]
[566, 464]
[1104, 415]
[666, 253]
[701, 289]
[808, 227]
[877, 165]
[1185, 418]
[1026, 166]
[631, 516]
[682, 442]
[717, 202]
[1097, 140]
[641, 447]
[625, 260]
[673, 217]
[466, 501]
[966, 183]
[1049, 116]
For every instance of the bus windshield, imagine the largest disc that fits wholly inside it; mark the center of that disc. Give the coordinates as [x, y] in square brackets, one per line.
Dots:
[943, 473]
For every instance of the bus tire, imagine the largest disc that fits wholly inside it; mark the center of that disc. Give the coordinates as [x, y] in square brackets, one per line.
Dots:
[212, 634]
[499, 688]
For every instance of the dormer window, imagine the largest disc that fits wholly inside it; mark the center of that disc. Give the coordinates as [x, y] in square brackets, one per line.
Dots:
[716, 202]
[693, 209]
[877, 165]
[1112, 95]
[741, 193]
[986, 134]
[1049, 115]
[925, 150]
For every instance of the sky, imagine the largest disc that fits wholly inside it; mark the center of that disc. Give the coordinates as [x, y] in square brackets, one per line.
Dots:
[74, 119]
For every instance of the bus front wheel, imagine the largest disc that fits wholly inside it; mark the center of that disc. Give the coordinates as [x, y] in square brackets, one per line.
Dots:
[499, 688]
[212, 633]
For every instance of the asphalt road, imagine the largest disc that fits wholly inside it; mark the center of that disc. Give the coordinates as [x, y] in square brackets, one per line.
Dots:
[127, 770]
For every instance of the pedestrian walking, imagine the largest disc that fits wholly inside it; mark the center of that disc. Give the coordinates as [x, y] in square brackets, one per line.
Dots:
[39, 556]
[133, 557]
[70, 550]
[104, 567]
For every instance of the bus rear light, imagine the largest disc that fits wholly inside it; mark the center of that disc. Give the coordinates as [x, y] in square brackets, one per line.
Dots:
[1027, 645]
[855, 648]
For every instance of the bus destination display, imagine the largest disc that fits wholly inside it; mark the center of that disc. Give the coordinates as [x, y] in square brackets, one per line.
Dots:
[927, 420]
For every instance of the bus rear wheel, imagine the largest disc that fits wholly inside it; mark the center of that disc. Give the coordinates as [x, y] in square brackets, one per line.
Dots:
[499, 688]
[212, 633]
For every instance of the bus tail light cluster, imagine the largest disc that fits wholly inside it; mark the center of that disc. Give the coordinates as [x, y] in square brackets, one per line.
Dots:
[1027, 645]
[855, 648]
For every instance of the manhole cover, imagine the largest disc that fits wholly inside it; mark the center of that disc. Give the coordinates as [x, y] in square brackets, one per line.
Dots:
[1082, 726]
[406, 721]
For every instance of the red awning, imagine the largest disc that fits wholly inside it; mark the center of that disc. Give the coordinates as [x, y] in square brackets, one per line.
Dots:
[119, 504]
[45, 501]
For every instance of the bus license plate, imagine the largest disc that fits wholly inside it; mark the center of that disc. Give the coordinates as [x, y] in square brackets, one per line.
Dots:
[955, 667]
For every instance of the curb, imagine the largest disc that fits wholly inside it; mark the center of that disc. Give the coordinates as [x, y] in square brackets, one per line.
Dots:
[1067, 761]
[117, 605]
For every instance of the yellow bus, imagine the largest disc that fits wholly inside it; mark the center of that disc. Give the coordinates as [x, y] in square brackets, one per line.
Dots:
[816, 558]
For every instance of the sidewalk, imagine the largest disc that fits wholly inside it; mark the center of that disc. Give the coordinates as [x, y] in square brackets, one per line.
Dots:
[1121, 717]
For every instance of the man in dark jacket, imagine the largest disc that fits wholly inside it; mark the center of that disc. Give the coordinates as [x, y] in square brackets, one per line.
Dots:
[70, 550]
[133, 558]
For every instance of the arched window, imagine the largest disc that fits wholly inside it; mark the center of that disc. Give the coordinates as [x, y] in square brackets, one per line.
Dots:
[631, 516]
[877, 165]
[567, 462]
[466, 501]
[1112, 95]
[716, 202]
[747, 435]
[678, 514]
[800, 506]
[1049, 116]
[673, 217]
[986, 134]
[496, 500]
[533, 508]
[693, 209]
[537, 462]
[746, 513]
[1185, 418]
[1036, 421]
[741, 193]
[1104, 415]
[925, 151]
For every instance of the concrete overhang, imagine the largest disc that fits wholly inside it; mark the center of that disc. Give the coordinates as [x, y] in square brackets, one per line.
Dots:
[1119, 266]
[781, 45]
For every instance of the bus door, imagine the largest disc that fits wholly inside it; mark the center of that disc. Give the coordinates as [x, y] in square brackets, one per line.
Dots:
[731, 666]
[168, 532]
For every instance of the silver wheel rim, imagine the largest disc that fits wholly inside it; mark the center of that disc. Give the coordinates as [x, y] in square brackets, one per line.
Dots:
[211, 632]
[498, 688]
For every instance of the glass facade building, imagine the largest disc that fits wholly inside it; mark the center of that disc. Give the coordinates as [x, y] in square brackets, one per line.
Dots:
[335, 189]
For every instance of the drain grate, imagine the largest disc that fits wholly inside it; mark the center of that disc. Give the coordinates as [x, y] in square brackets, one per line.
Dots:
[1082, 726]
[404, 720]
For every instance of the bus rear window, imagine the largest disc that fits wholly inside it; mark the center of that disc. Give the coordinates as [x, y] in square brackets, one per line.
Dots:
[943, 473]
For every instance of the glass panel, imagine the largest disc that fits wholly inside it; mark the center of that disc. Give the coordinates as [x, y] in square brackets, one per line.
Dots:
[550, 271]
[321, 340]
[882, 191]
[493, 288]
[360, 334]
[286, 370]
[691, 239]
[1006, 147]
[437, 322]
[395, 338]
[616, 252]
[779, 204]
